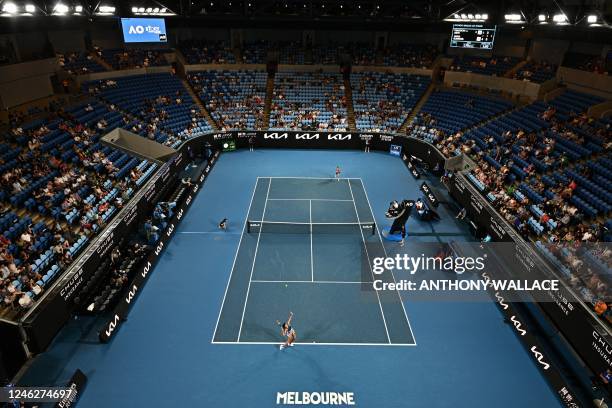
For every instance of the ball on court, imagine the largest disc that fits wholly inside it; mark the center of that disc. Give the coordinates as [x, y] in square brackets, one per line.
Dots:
[286, 285]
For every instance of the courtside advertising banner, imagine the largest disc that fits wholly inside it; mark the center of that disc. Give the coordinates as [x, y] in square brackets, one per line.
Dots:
[135, 287]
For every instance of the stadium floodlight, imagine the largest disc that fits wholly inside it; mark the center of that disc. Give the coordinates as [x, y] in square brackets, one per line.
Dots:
[141, 9]
[9, 8]
[513, 18]
[78, 9]
[60, 9]
[156, 9]
[542, 18]
[485, 16]
[464, 16]
[560, 18]
[106, 9]
[134, 9]
[30, 8]
[592, 19]
[149, 10]
[478, 16]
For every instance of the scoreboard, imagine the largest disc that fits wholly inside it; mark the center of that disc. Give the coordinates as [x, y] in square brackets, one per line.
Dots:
[473, 36]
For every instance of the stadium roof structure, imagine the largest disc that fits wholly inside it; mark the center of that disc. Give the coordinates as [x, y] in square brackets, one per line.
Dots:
[427, 10]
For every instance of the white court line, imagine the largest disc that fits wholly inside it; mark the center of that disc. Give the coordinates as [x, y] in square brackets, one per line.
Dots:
[246, 300]
[246, 217]
[209, 232]
[311, 254]
[368, 255]
[298, 344]
[311, 178]
[306, 281]
[311, 223]
[386, 256]
[307, 199]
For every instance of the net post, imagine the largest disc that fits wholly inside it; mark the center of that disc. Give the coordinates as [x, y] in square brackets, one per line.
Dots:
[374, 228]
[248, 226]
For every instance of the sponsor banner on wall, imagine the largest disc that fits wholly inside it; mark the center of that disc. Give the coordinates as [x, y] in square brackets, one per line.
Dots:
[429, 194]
[563, 308]
[534, 348]
[411, 167]
[135, 287]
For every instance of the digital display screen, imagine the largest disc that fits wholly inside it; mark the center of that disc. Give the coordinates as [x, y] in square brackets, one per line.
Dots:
[144, 30]
[395, 150]
[473, 36]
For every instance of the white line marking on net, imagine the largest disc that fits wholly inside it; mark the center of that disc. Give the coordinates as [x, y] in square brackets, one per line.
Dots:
[310, 178]
[307, 199]
[311, 223]
[246, 300]
[386, 256]
[246, 217]
[311, 251]
[368, 256]
[269, 343]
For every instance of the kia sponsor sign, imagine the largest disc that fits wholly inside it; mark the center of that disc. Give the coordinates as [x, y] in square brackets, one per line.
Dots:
[135, 287]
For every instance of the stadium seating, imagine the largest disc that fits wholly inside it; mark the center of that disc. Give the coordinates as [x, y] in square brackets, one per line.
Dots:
[382, 101]
[454, 111]
[203, 52]
[235, 99]
[79, 63]
[308, 101]
[159, 99]
[496, 65]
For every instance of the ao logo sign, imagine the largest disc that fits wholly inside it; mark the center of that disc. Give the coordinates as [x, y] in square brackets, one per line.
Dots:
[144, 30]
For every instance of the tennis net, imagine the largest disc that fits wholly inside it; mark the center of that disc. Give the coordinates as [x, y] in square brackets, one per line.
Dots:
[279, 227]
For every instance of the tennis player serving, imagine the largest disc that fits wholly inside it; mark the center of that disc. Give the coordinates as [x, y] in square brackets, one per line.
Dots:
[288, 332]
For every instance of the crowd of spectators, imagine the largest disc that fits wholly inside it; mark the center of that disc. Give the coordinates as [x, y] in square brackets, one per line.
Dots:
[129, 58]
[309, 101]
[382, 101]
[537, 72]
[495, 65]
[409, 55]
[586, 62]
[58, 171]
[78, 63]
[207, 52]
[235, 99]
[548, 183]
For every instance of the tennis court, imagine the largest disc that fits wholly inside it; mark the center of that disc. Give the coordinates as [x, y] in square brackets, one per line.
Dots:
[307, 247]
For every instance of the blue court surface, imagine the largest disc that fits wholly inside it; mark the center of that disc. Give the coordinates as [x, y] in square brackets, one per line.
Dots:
[203, 334]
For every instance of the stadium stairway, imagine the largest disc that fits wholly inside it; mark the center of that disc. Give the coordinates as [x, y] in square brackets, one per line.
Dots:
[510, 73]
[100, 61]
[268, 101]
[417, 107]
[350, 109]
[198, 102]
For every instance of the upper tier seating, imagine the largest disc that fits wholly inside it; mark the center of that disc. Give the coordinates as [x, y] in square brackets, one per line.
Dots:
[496, 65]
[235, 99]
[454, 111]
[160, 100]
[79, 63]
[308, 101]
[536, 72]
[134, 57]
[202, 52]
[382, 102]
